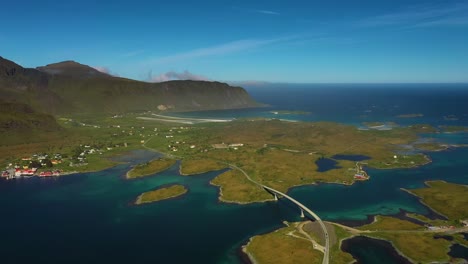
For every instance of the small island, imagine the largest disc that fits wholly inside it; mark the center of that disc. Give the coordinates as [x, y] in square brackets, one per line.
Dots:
[150, 168]
[161, 194]
[286, 112]
[410, 115]
[453, 129]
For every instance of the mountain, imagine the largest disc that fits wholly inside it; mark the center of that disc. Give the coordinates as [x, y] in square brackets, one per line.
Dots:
[15, 117]
[70, 87]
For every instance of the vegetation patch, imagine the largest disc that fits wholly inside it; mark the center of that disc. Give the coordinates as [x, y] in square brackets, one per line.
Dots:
[382, 223]
[150, 168]
[161, 194]
[446, 198]
[235, 187]
[418, 246]
[282, 246]
[197, 166]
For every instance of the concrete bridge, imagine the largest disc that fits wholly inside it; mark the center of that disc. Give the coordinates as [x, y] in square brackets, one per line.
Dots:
[308, 211]
[302, 207]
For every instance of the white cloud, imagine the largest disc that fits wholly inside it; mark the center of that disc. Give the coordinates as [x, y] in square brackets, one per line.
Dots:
[422, 16]
[172, 75]
[102, 69]
[267, 12]
[105, 70]
[222, 49]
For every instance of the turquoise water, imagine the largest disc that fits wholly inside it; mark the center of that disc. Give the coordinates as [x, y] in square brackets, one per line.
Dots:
[89, 218]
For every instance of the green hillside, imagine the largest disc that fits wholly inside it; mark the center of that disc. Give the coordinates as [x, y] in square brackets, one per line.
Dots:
[69, 87]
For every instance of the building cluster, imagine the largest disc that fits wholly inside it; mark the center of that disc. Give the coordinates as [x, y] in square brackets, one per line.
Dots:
[30, 166]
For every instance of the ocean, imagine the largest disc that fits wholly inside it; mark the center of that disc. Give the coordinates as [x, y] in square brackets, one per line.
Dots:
[89, 218]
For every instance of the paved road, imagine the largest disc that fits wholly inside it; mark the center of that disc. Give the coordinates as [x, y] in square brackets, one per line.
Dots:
[303, 207]
[314, 215]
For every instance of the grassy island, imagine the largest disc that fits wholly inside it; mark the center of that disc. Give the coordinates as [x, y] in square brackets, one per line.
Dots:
[161, 194]
[454, 129]
[410, 115]
[150, 168]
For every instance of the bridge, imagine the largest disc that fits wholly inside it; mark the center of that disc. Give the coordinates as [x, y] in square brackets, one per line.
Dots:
[303, 208]
[276, 193]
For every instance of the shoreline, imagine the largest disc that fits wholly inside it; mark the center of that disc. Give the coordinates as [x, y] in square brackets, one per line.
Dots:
[392, 245]
[138, 201]
[444, 217]
[128, 177]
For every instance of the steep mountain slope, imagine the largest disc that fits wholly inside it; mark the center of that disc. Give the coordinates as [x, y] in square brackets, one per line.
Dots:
[16, 117]
[69, 87]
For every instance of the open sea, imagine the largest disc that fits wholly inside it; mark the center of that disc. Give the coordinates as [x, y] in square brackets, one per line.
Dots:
[88, 218]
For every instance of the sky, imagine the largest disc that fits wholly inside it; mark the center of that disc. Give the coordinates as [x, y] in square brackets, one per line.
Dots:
[368, 41]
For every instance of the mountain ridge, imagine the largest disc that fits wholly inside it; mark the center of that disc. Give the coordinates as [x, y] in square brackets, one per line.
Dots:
[69, 87]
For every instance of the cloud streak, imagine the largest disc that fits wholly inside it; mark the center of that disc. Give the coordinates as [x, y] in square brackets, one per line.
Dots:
[267, 12]
[105, 70]
[172, 75]
[222, 49]
[426, 16]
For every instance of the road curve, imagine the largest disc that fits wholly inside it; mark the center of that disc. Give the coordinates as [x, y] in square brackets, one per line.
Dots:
[314, 215]
[326, 256]
[303, 207]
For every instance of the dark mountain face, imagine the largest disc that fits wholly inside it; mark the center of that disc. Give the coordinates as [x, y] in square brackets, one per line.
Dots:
[19, 117]
[69, 87]
[71, 69]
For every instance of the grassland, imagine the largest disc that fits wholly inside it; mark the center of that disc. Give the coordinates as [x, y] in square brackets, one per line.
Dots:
[234, 187]
[150, 168]
[291, 245]
[445, 198]
[197, 166]
[417, 246]
[283, 154]
[388, 223]
[161, 194]
[336, 254]
[275, 153]
[282, 246]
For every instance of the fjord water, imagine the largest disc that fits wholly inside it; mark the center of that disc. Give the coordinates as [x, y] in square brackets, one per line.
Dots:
[89, 218]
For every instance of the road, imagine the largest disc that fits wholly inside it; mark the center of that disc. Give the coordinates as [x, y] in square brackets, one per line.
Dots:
[303, 207]
[326, 256]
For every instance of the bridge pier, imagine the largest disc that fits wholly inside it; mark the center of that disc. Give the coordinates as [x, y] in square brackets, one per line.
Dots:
[302, 213]
[276, 197]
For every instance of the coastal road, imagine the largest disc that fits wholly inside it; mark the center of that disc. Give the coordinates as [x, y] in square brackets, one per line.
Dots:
[314, 215]
[300, 205]
[326, 256]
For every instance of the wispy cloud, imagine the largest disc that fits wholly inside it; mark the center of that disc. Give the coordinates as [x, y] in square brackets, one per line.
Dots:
[172, 75]
[105, 70]
[258, 11]
[222, 49]
[267, 12]
[422, 16]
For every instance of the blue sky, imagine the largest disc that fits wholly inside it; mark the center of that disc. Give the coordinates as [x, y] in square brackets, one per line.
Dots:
[276, 41]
